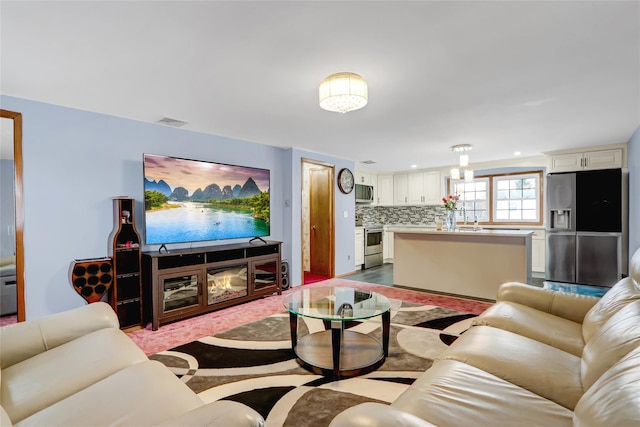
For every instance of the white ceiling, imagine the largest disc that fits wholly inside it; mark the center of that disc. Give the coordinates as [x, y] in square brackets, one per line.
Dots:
[503, 76]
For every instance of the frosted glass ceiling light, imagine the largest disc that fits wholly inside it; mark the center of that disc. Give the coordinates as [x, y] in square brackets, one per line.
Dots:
[343, 92]
[455, 173]
[468, 175]
[463, 162]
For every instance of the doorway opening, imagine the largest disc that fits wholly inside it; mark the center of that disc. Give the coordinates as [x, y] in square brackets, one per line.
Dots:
[317, 221]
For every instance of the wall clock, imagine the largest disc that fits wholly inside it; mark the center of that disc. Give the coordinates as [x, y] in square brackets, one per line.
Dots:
[345, 181]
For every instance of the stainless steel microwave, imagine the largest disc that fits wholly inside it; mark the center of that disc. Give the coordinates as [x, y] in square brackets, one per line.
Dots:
[364, 193]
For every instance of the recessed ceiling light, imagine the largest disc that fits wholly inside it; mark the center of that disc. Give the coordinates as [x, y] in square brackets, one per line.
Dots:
[516, 153]
[414, 166]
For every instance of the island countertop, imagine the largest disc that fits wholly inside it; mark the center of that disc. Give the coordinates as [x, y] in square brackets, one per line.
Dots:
[461, 231]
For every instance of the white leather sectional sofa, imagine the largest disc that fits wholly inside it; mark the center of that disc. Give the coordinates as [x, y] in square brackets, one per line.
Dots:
[77, 368]
[535, 358]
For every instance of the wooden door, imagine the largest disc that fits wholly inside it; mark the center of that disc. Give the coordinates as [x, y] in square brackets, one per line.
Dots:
[320, 221]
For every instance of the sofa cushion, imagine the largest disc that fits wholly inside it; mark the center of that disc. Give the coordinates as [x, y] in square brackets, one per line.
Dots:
[569, 306]
[145, 394]
[622, 293]
[218, 413]
[455, 393]
[23, 340]
[614, 399]
[538, 325]
[372, 414]
[617, 337]
[32, 385]
[540, 368]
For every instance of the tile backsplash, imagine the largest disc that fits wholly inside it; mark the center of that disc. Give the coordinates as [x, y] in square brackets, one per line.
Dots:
[387, 215]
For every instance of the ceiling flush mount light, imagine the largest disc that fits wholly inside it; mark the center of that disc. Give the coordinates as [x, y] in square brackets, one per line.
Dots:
[463, 163]
[343, 92]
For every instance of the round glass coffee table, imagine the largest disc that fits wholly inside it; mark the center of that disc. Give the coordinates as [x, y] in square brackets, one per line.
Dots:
[337, 351]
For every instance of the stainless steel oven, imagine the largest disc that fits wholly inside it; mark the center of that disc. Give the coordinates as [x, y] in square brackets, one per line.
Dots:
[373, 246]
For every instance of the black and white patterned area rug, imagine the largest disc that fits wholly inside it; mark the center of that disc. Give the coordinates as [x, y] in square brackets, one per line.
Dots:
[254, 364]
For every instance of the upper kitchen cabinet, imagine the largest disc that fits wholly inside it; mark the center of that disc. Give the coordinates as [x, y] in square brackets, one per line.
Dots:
[585, 160]
[400, 189]
[366, 178]
[431, 193]
[385, 190]
[419, 188]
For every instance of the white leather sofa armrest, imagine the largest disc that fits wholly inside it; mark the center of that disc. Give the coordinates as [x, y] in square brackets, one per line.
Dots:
[218, 413]
[377, 415]
[569, 306]
[5, 421]
[24, 340]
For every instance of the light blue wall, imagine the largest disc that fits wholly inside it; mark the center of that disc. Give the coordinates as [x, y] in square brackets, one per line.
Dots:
[633, 164]
[344, 227]
[75, 161]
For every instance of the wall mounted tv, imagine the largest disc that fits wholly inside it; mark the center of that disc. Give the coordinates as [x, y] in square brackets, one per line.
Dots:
[193, 200]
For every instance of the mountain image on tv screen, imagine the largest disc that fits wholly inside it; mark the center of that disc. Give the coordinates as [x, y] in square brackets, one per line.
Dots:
[192, 200]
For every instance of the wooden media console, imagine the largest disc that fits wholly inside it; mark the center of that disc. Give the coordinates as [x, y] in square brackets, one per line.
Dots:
[188, 282]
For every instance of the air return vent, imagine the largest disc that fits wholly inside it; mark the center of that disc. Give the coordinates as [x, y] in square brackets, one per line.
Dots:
[171, 122]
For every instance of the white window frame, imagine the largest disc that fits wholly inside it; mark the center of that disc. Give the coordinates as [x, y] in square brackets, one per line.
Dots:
[537, 202]
[470, 213]
[493, 198]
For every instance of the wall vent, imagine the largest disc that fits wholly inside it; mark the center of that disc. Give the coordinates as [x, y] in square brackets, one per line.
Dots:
[171, 122]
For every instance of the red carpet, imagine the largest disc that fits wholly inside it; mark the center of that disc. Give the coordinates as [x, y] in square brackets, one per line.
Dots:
[187, 330]
[310, 277]
[184, 331]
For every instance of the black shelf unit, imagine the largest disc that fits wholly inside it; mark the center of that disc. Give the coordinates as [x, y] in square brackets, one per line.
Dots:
[125, 251]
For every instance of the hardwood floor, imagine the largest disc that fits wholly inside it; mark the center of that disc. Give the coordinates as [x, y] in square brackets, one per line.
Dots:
[382, 275]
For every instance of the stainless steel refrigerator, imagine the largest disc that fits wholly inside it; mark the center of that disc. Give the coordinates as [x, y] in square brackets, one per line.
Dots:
[586, 227]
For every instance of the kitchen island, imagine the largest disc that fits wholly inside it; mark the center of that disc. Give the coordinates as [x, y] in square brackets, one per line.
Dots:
[469, 262]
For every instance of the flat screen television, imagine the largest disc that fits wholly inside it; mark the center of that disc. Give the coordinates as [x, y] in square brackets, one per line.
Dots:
[194, 200]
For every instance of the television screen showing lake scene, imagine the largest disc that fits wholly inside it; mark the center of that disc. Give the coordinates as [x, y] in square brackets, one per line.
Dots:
[192, 200]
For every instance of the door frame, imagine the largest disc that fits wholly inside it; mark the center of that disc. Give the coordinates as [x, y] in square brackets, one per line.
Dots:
[332, 237]
[19, 207]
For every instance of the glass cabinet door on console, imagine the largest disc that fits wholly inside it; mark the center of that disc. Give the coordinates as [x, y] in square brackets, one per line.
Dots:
[180, 292]
[265, 274]
[226, 283]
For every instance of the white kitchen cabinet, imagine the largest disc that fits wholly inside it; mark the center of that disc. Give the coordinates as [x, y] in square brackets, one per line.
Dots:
[385, 190]
[387, 246]
[419, 188]
[432, 188]
[538, 251]
[400, 190]
[366, 178]
[587, 160]
[359, 255]
[604, 159]
[415, 192]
